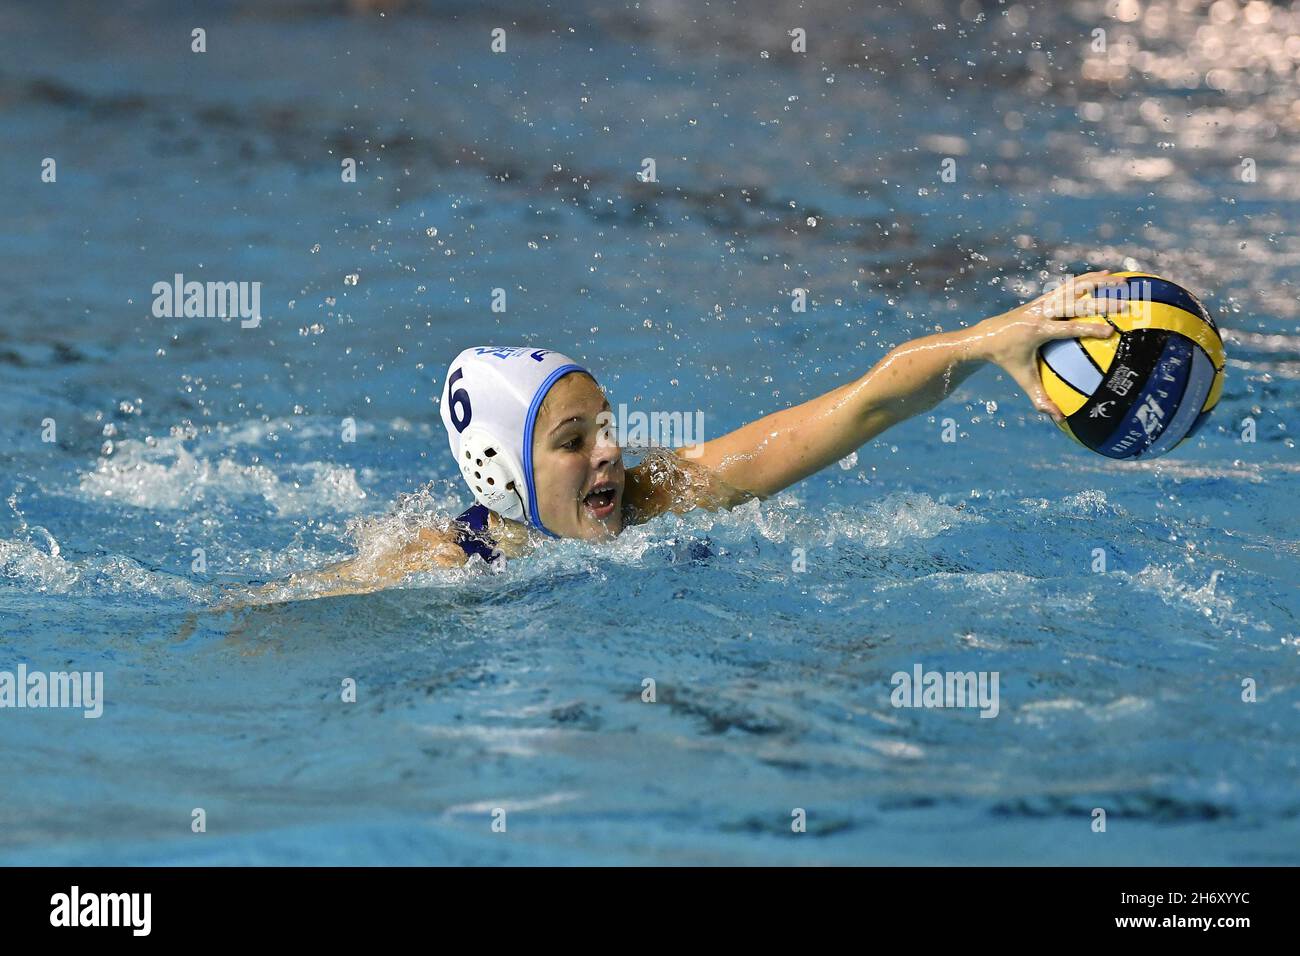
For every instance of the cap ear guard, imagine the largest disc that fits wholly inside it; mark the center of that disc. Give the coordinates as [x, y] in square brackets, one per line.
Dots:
[492, 473]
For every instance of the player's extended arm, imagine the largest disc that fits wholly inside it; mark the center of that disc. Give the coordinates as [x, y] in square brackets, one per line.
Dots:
[787, 446]
[429, 549]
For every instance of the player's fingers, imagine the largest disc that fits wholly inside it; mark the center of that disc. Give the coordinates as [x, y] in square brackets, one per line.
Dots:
[1077, 329]
[1028, 379]
[1102, 306]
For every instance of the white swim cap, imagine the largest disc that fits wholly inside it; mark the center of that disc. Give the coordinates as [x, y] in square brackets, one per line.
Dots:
[489, 406]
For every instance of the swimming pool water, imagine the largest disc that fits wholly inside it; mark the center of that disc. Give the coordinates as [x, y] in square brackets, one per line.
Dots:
[523, 690]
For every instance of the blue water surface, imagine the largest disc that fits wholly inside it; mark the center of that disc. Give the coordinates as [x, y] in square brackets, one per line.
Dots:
[1120, 689]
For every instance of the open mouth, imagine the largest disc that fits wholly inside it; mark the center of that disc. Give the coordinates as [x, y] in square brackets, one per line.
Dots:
[599, 502]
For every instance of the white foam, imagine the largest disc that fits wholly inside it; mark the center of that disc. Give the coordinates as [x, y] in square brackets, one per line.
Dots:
[893, 519]
[514, 804]
[45, 570]
[164, 474]
[1089, 503]
[886, 522]
[32, 567]
[1205, 598]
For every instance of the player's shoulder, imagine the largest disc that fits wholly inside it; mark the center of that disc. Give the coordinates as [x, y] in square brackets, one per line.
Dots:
[671, 480]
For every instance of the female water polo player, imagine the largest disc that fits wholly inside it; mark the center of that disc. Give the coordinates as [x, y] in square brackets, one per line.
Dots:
[528, 434]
